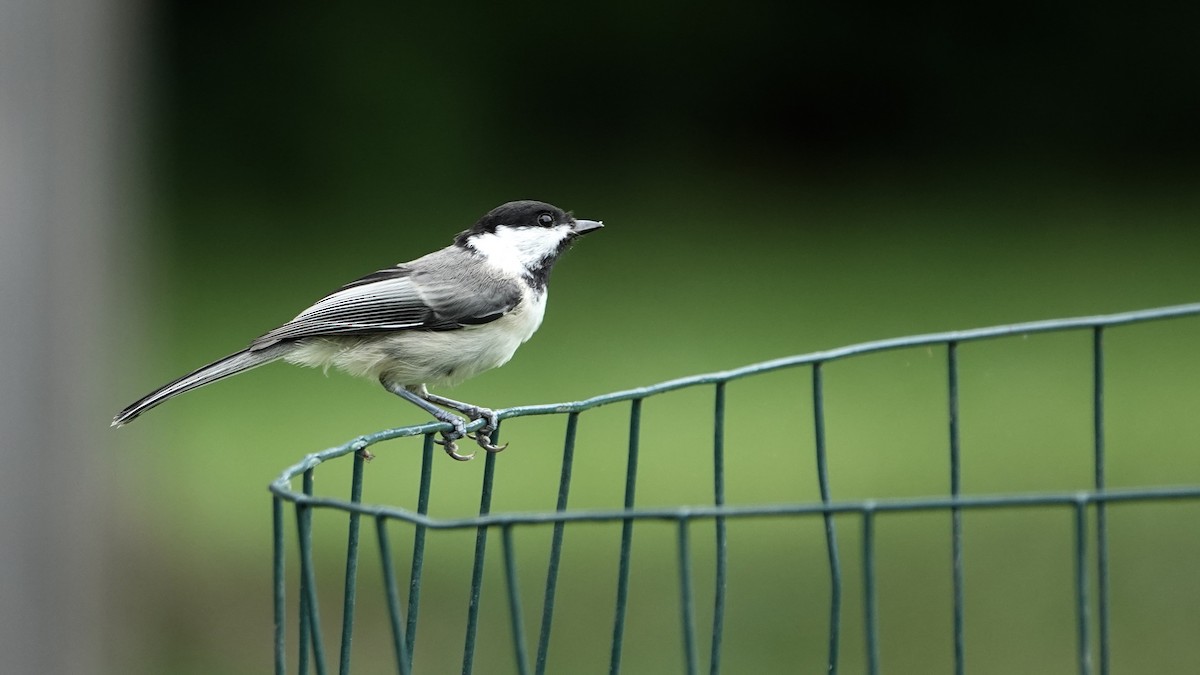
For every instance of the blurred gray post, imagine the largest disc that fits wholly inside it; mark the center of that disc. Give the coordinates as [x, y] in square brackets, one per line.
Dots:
[64, 113]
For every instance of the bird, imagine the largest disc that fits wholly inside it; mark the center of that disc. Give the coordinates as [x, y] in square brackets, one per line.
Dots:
[434, 321]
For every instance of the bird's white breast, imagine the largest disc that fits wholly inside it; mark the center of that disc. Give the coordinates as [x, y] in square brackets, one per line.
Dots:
[429, 357]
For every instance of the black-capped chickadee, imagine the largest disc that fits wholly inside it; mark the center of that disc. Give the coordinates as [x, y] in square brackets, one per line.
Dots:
[437, 320]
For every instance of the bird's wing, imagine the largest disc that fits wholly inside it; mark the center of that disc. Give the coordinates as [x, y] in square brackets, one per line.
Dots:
[422, 295]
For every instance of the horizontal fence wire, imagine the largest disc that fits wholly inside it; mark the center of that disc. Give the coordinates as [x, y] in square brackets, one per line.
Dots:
[403, 624]
[777, 510]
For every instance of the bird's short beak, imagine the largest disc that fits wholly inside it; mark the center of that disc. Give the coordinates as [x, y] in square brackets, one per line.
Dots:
[585, 226]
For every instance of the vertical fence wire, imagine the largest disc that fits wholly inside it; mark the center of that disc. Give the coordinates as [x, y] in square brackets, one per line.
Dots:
[392, 593]
[1099, 484]
[303, 637]
[870, 598]
[686, 599]
[280, 582]
[718, 623]
[310, 624]
[956, 542]
[514, 602]
[835, 566]
[635, 432]
[485, 507]
[1083, 631]
[350, 590]
[418, 551]
[556, 543]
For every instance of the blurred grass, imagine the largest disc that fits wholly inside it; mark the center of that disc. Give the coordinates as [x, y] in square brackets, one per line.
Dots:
[695, 274]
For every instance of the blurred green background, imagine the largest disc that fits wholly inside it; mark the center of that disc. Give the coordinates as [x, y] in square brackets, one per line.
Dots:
[775, 179]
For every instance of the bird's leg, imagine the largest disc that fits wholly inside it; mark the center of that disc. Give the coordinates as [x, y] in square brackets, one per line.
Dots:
[491, 421]
[416, 396]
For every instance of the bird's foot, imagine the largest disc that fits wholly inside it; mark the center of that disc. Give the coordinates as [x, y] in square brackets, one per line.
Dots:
[483, 436]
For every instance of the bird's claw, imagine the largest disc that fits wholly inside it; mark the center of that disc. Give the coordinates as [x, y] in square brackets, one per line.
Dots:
[484, 438]
[449, 440]
[452, 448]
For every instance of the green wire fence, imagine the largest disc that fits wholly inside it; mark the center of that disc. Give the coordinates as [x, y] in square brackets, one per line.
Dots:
[1087, 509]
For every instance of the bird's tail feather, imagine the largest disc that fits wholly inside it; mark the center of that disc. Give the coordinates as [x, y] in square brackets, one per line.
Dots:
[230, 365]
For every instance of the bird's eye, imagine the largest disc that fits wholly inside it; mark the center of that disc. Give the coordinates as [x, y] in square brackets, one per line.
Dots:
[545, 220]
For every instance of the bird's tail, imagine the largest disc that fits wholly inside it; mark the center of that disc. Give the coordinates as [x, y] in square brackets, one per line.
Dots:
[230, 365]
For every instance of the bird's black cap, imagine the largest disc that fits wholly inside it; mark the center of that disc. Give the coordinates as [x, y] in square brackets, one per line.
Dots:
[520, 213]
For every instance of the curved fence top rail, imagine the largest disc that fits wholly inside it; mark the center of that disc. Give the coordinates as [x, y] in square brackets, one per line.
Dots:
[281, 486]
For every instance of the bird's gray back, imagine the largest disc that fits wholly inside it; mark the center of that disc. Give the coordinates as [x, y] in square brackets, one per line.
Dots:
[444, 290]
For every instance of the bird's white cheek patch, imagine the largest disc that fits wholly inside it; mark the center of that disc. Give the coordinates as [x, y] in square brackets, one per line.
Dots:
[514, 250]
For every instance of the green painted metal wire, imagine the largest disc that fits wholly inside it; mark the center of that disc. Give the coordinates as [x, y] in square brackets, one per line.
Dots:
[835, 565]
[418, 555]
[1081, 590]
[870, 599]
[722, 572]
[1099, 484]
[618, 639]
[280, 583]
[403, 622]
[485, 506]
[956, 543]
[392, 593]
[310, 624]
[350, 591]
[516, 622]
[686, 602]
[564, 489]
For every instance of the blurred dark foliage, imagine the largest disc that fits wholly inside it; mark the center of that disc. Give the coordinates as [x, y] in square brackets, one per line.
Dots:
[320, 97]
